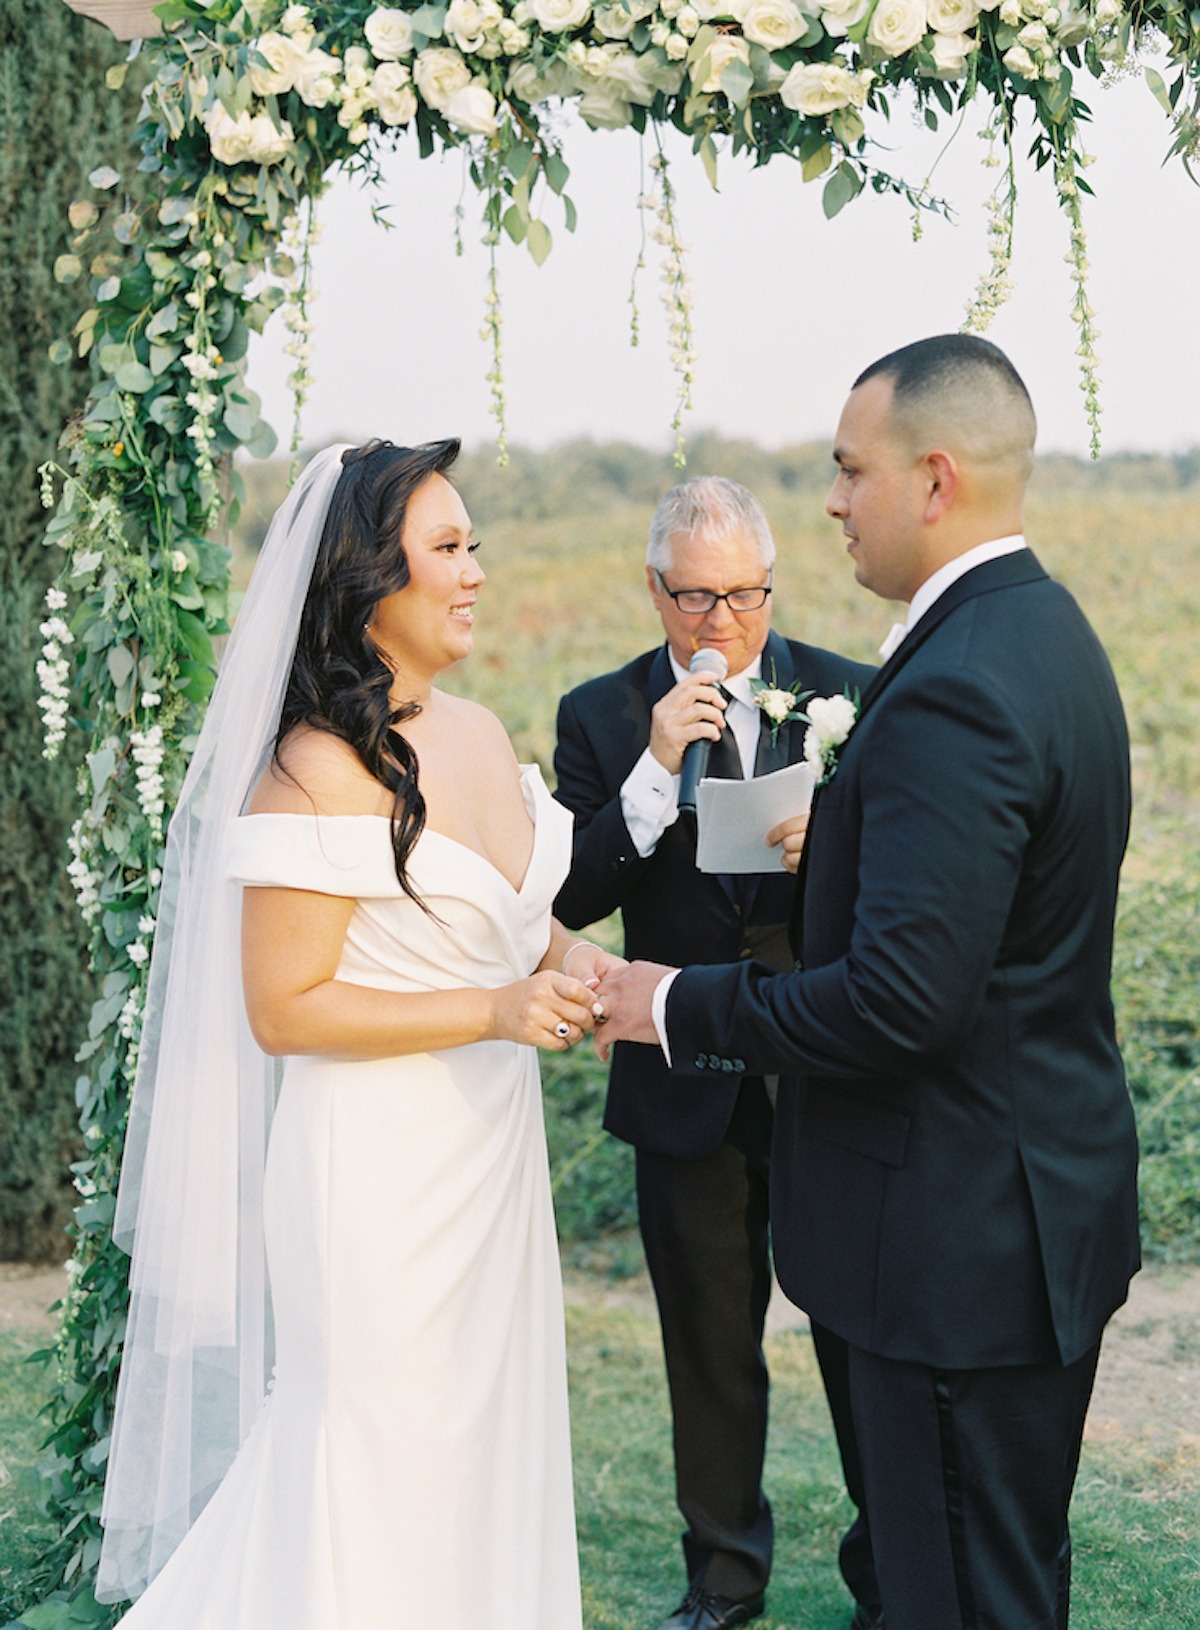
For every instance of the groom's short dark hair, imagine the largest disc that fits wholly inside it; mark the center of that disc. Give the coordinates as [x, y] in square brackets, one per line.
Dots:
[963, 383]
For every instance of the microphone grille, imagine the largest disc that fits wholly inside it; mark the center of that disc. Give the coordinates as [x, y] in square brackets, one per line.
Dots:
[706, 661]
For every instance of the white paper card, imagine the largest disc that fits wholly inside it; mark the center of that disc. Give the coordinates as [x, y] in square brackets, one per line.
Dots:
[734, 817]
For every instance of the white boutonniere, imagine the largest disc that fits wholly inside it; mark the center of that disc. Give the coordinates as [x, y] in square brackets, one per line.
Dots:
[780, 706]
[830, 721]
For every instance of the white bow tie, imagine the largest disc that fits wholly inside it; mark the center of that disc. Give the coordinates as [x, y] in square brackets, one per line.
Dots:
[895, 638]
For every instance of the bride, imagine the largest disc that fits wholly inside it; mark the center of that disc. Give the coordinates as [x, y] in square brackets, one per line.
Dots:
[343, 1400]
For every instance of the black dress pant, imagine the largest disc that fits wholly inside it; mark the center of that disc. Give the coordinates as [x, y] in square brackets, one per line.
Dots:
[705, 1228]
[968, 1476]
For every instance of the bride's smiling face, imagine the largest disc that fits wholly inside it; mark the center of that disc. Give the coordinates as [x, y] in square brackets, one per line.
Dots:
[426, 625]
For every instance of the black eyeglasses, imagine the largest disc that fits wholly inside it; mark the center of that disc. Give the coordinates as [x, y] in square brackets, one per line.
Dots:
[695, 602]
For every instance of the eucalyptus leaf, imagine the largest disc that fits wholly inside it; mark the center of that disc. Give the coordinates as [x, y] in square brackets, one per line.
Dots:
[59, 352]
[83, 214]
[67, 268]
[121, 664]
[101, 765]
[514, 223]
[105, 177]
[737, 81]
[554, 166]
[134, 376]
[539, 241]
[109, 289]
[164, 321]
[708, 157]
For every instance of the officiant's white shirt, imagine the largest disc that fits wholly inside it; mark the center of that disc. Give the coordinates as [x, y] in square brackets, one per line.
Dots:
[923, 600]
[650, 794]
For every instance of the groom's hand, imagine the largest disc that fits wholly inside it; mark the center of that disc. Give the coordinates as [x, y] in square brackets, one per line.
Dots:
[626, 998]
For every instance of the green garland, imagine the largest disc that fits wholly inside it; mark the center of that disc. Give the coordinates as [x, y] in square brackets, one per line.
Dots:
[250, 106]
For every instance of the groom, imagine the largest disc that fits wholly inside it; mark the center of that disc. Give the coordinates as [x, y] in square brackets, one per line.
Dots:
[954, 1161]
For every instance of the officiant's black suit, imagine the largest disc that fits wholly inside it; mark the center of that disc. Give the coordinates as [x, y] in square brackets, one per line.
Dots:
[954, 1160]
[702, 1157]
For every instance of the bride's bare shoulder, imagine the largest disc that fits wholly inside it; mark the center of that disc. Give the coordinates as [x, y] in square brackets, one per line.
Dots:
[316, 773]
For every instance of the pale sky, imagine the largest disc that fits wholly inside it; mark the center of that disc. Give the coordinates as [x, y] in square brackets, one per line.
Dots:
[788, 306]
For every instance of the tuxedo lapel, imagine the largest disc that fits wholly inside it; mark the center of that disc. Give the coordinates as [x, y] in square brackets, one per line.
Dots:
[1008, 570]
[776, 670]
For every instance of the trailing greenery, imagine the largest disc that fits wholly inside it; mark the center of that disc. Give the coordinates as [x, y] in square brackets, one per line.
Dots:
[57, 121]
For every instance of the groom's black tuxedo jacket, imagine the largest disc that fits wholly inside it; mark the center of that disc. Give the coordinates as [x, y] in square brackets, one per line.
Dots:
[954, 1166]
[672, 912]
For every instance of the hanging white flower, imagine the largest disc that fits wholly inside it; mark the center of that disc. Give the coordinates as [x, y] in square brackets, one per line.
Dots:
[951, 53]
[726, 48]
[394, 95]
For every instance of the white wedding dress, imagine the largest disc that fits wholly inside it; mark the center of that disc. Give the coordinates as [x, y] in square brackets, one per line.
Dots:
[411, 1464]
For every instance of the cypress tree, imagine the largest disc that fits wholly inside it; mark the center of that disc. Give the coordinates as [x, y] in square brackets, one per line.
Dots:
[58, 122]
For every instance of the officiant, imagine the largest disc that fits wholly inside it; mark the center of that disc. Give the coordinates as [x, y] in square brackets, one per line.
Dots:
[702, 1152]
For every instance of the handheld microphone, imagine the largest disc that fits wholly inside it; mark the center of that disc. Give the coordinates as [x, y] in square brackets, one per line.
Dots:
[695, 757]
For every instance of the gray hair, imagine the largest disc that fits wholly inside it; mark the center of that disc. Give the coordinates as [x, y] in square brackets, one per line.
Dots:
[713, 505]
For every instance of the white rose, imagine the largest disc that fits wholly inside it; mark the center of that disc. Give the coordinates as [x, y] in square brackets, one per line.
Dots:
[709, 10]
[1034, 37]
[295, 20]
[950, 54]
[283, 55]
[896, 26]
[776, 704]
[554, 16]
[357, 67]
[664, 76]
[604, 108]
[816, 88]
[774, 24]
[952, 16]
[1010, 12]
[1073, 28]
[316, 78]
[813, 756]
[466, 22]
[529, 84]
[438, 73]
[625, 70]
[393, 93]
[614, 22]
[229, 138]
[726, 48]
[676, 48]
[1108, 12]
[832, 717]
[389, 33]
[1018, 61]
[688, 22]
[269, 143]
[839, 16]
[473, 109]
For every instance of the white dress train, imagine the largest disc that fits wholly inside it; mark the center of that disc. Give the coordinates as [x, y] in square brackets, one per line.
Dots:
[411, 1463]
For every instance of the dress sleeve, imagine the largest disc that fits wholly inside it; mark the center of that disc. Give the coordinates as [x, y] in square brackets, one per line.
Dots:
[349, 855]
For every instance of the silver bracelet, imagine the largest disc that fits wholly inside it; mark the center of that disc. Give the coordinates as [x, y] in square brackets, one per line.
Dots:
[574, 947]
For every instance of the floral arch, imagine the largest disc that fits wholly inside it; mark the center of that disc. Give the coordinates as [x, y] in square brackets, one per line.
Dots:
[248, 107]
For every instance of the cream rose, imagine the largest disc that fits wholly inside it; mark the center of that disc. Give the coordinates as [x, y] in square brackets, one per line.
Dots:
[726, 48]
[710, 10]
[774, 24]
[438, 73]
[245, 139]
[1018, 61]
[817, 88]
[316, 77]
[283, 55]
[468, 21]
[389, 33]
[839, 16]
[896, 26]
[950, 54]
[555, 16]
[394, 95]
[952, 16]
[473, 109]
[832, 717]
[604, 108]
[529, 84]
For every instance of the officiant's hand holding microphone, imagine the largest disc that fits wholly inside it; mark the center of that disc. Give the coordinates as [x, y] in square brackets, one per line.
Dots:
[687, 720]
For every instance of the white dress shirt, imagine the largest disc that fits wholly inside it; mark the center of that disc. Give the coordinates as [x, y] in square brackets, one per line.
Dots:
[926, 596]
[650, 794]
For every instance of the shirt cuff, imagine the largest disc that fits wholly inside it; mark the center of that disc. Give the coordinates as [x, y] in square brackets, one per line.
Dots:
[658, 1010]
[649, 802]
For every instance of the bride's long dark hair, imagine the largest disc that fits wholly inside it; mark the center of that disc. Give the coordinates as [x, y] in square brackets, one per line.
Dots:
[339, 682]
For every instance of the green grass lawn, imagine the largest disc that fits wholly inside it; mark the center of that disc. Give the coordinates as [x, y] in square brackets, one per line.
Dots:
[1136, 1518]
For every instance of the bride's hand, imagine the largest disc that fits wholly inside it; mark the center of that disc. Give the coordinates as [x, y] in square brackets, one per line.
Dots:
[552, 1010]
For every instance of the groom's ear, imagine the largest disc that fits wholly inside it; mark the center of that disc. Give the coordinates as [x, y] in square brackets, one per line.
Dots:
[943, 480]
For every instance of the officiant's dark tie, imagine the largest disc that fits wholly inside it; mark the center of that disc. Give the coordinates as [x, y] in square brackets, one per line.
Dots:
[724, 760]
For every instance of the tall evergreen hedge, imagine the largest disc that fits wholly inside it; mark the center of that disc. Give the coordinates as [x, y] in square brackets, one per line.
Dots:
[58, 122]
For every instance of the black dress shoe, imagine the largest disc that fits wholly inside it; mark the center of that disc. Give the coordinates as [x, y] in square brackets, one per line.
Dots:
[705, 1610]
[868, 1618]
